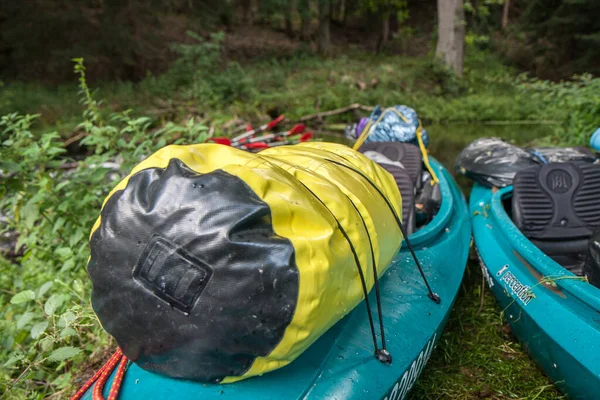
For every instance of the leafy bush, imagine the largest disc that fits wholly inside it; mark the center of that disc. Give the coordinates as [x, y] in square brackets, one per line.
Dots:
[575, 103]
[50, 203]
[200, 74]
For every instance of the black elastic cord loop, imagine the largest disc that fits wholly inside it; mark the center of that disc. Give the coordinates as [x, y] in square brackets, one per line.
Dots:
[358, 266]
[375, 280]
[382, 354]
[433, 296]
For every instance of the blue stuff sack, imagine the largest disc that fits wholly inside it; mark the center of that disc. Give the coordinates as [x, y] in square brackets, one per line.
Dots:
[395, 124]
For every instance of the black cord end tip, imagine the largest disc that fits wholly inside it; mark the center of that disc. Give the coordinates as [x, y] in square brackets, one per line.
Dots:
[435, 298]
[383, 356]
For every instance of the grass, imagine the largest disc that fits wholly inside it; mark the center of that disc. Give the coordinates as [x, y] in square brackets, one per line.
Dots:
[297, 87]
[477, 357]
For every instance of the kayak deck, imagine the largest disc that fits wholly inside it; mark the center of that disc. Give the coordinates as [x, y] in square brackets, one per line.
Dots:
[552, 311]
[341, 364]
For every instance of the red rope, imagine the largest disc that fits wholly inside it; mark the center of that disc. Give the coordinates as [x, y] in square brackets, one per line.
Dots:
[102, 375]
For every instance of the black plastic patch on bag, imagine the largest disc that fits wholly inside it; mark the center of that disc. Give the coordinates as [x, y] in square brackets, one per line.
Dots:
[171, 273]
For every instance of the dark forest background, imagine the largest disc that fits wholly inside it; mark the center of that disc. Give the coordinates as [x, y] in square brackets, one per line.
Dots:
[129, 39]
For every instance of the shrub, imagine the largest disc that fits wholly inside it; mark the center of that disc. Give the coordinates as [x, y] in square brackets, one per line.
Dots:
[575, 103]
[50, 203]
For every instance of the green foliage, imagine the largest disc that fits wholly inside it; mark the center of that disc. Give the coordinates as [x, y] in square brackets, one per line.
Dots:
[51, 202]
[484, 15]
[557, 38]
[199, 74]
[576, 103]
[376, 6]
[448, 83]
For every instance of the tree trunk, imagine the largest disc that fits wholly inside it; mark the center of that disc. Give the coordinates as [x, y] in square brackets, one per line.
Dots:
[451, 34]
[342, 11]
[505, 14]
[246, 12]
[324, 31]
[289, 13]
[306, 19]
[385, 31]
[254, 11]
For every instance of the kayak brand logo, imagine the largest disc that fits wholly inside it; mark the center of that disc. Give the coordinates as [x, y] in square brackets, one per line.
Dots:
[171, 273]
[559, 181]
[523, 292]
[405, 384]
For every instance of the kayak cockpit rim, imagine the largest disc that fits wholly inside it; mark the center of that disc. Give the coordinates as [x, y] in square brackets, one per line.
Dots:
[444, 214]
[578, 288]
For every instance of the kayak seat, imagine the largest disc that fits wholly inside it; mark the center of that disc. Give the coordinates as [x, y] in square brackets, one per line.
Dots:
[399, 160]
[407, 154]
[407, 190]
[591, 268]
[557, 207]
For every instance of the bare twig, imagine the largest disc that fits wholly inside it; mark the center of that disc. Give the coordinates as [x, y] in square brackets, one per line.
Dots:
[171, 110]
[75, 138]
[342, 110]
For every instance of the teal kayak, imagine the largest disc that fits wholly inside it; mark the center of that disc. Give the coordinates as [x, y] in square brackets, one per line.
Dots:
[341, 364]
[554, 313]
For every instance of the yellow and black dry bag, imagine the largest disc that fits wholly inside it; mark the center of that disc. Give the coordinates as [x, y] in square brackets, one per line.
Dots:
[214, 264]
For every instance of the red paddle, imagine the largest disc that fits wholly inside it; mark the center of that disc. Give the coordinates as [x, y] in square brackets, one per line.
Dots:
[261, 128]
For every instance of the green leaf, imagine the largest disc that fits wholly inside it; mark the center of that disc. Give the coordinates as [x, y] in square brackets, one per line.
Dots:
[66, 319]
[68, 332]
[22, 297]
[38, 329]
[63, 381]
[58, 224]
[76, 237]
[13, 360]
[24, 320]
[78, 285]
[30, 214]
[62, 185]
[63, 252]
[44, 289]
[53, 303]
[64, 353]
[46, 343]
[68, 265]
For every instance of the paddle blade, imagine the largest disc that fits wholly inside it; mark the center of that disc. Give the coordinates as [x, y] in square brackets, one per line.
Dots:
[306, 137]
[220, 140]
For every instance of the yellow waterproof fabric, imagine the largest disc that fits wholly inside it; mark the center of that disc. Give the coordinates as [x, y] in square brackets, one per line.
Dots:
[321, 199]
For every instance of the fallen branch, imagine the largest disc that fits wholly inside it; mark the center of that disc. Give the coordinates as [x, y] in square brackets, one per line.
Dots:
[342, 110]
[75, 138]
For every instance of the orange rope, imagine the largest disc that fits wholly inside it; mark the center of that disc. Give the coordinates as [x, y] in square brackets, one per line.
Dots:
[101, 377]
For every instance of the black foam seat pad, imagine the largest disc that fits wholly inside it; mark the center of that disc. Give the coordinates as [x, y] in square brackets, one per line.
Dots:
[407, 191]
[557, 207]
[407, 178]
[407, 154]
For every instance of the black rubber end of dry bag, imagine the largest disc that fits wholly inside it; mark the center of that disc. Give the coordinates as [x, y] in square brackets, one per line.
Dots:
[188, 275]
